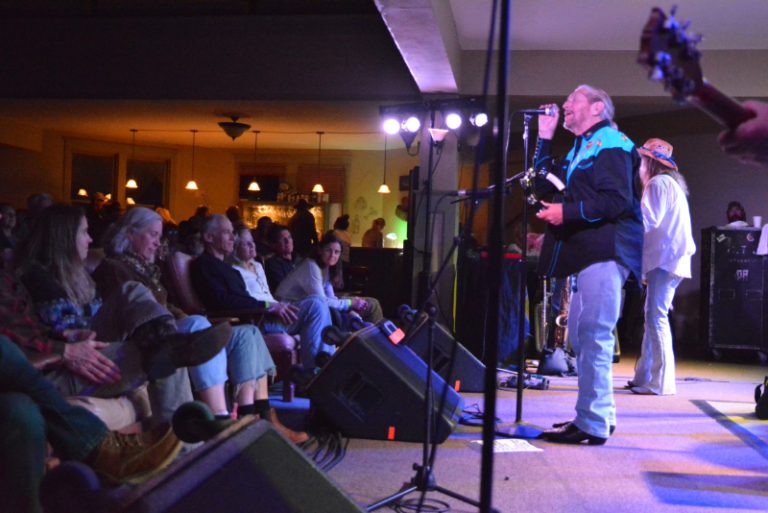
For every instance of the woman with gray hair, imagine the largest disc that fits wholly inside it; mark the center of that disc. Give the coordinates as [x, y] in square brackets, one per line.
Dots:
[132, 247]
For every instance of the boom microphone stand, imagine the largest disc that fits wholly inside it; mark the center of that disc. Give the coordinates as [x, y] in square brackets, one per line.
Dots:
[424, 480]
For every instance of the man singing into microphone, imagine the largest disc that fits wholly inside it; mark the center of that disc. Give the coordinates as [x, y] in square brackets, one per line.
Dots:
[594, 231]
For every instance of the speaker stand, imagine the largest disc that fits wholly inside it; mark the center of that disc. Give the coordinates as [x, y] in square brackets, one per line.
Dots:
[424, 480]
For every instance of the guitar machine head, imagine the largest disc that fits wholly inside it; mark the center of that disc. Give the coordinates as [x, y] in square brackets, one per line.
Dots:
[669, 53]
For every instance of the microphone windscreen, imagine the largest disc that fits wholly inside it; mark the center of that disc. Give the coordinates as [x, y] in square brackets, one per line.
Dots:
[194, 422]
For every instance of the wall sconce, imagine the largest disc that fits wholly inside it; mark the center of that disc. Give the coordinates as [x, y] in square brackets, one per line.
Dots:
[192, 184]
[233, 128]
[318, 188]
[82, 193]
[130, 201]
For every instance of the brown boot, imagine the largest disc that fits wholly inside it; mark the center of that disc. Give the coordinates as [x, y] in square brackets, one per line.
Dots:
[185, 350]
[297, 437]
[134, 458]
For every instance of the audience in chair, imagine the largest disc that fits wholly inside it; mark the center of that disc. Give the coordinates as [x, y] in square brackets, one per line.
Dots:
[33, 414]
[222, 288]
[284, 259]
[132, 248]
[146, 345]
[311, 313]
[314, 277]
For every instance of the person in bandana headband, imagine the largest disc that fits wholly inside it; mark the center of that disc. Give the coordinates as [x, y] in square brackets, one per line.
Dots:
[667, 250]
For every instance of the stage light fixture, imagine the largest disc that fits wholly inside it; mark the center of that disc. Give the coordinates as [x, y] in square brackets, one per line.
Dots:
[453, 120]
[412, 124]
[479, 119]
[391, 125]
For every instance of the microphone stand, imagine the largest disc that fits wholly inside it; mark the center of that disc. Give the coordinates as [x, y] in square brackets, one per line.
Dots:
[424, 480]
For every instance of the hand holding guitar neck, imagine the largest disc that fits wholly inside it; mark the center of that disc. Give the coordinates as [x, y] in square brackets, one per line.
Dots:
[748, 141]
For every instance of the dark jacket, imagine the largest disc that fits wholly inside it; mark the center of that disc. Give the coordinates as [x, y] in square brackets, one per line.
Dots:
[221, 287]
[601, 203]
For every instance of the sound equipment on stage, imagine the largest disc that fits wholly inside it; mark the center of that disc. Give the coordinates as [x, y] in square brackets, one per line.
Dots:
[733, 288]
[373, 387]
[248, 468]
[468, 372]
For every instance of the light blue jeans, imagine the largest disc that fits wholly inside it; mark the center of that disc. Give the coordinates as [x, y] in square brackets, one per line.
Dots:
[244, 358]
[314, 315]
[594, 311]
[655, 369]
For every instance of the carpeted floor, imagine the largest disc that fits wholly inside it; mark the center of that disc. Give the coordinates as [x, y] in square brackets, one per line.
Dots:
[700, 450]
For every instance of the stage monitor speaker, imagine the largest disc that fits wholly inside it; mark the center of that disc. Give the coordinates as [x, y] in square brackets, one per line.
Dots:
[249, 468]
[468, 372]
[374, 387]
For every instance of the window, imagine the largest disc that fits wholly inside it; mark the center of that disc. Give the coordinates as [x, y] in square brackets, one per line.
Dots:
[152, 178]
[91, 174]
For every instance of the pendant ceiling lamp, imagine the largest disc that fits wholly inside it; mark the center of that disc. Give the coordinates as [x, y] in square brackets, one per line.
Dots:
[384, 188]
[318, 188]
[192, 185]
[254, 185]
[131, 183]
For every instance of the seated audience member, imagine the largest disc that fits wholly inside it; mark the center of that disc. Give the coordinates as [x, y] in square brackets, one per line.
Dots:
[340, 230]
[284, 260]
[132, 249]
[303, 227]
[736, 216]
[313, 277]
[189, 240]
[147, 343]
[374, 237]
[36, 203]
[7, 224]
[233, 214]
[261, 236]
[309, 316]
[33, 414]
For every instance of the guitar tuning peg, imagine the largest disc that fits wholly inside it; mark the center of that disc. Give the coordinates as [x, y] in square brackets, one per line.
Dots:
[695, 38]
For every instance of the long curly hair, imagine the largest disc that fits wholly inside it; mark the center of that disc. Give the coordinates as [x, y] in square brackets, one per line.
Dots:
[52, 245]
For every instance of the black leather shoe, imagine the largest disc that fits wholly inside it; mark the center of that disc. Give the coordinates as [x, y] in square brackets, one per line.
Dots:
[570, 434]
[611, 428]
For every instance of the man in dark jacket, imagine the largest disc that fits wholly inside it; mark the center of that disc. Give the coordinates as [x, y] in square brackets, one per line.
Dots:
[594, 231]
[221, 287]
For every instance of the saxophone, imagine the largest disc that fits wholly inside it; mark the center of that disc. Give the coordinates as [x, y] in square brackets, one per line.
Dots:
[560, 328]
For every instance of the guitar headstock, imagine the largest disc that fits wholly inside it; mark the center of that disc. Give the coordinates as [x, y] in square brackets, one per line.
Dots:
[670, 55]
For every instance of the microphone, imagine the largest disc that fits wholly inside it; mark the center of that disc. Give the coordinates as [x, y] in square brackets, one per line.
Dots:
[546, 111]
[194, 422]
[485, 192]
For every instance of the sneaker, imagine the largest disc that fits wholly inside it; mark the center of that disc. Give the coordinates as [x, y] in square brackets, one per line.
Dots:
[135, 458]
[186, 350]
